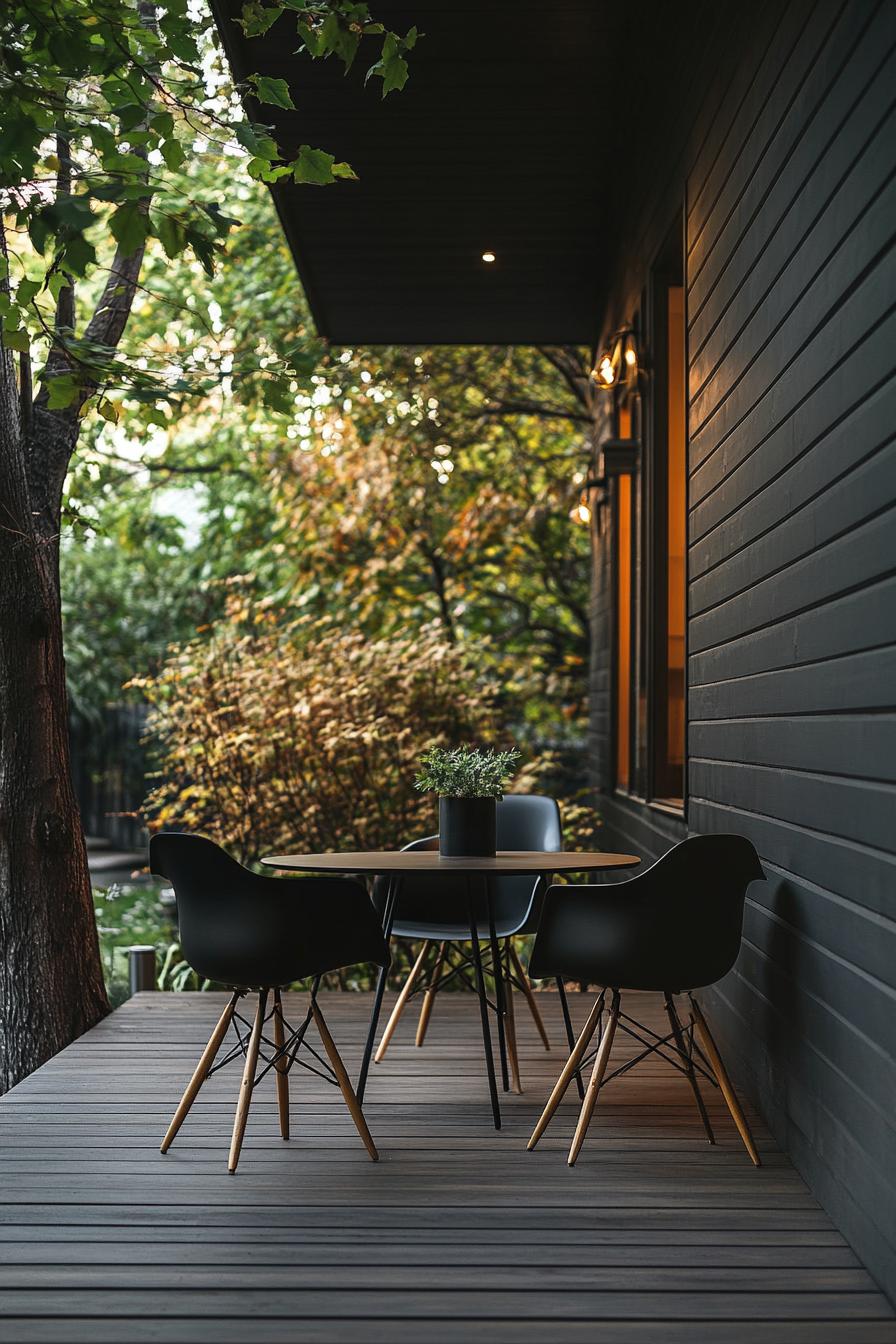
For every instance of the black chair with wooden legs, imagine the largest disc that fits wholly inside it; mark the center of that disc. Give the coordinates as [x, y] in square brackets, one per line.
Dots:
[256, 934]
[433, 911]
[674, 928]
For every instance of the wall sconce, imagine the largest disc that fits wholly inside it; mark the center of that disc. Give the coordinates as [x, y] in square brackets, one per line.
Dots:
[619, 457]
[617, 365]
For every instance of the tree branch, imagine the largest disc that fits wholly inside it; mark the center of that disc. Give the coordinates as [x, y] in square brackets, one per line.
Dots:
[65, 304]
[534, 408]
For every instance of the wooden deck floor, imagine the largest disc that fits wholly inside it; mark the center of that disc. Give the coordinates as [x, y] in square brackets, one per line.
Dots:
[456, 1234]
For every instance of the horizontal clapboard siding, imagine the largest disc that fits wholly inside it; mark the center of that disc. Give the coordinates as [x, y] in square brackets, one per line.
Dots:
[792, 584]
[782, 149]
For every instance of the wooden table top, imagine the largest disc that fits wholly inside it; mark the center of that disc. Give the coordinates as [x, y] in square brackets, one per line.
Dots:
[431, 861]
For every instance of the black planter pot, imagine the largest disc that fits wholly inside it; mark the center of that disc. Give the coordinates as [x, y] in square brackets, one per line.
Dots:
[467, 827]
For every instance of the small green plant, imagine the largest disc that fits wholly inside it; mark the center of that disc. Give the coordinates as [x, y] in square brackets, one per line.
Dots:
[466, 772]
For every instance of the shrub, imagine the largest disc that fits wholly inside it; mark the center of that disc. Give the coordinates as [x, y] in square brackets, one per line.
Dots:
[306, 738]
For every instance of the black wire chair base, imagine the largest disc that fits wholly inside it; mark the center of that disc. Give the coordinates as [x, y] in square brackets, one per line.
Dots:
[261, 1054]
[665, 1047]
[289, 1050]
[679, 1048]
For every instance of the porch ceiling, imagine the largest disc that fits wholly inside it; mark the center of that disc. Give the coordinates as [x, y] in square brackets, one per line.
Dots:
[508, 137]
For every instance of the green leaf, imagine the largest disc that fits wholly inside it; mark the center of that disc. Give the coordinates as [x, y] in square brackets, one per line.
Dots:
[26, 291]
[124, 163]
[171, 234]
[345, 170]
[56, 283]
[257, 19]
[79, 254]
[203, 248]
[173, 154]
[16, 340]
[62, 391]
[313, 166]
[163, 124]
[131, 116]
[310, 36]
[272, 91]
[223, 223]
[255, 139]
[394, 73]
[129, 226]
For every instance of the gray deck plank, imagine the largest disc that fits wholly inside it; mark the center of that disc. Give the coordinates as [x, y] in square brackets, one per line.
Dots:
[457, 1233]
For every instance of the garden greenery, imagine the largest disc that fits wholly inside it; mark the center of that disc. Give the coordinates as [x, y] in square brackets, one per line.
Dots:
[106, 105]
[307, 736]
[304, 736]
[466, 772]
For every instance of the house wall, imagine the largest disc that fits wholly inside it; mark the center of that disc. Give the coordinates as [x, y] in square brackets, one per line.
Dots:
[784, 159]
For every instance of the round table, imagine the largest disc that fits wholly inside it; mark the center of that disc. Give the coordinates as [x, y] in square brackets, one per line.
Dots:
[393, 864]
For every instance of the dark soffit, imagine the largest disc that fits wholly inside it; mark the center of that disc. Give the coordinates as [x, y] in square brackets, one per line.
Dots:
[504, 139]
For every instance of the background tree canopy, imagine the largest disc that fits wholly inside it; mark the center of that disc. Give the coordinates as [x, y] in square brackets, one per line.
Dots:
[390, 488]
[172, 431]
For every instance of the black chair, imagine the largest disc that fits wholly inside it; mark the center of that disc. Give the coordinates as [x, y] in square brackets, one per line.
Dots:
[434, 911]
[257, 934]
[674, 928]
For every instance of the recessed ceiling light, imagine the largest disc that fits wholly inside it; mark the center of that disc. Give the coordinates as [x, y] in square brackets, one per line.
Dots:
[489, 257]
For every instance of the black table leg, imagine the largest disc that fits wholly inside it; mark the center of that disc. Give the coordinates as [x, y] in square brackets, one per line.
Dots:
[388, 917]
[570, 1034]
[483, 1007]
[499, 984]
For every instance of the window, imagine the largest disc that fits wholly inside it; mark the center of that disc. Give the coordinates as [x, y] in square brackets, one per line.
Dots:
[669, 526]
[624, 667]
[650, 552]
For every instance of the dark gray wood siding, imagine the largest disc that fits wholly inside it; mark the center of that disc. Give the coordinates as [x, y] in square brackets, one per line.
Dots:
[791, 209]
[790, 206]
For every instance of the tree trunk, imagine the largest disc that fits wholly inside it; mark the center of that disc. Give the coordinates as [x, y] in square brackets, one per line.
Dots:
[51, 980]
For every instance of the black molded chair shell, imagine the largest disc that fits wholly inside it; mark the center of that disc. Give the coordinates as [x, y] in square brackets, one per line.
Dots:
[676, 926]
[436, 907]
[244, 929]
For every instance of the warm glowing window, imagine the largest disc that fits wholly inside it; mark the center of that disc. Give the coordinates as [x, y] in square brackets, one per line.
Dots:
[624, 501]
[670, 571]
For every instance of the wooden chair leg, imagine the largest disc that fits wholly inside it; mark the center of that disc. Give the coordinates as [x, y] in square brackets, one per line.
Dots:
[530, 996]
[510, 1026]
[678, 1033]
[712, 1053]
[281, 1068]
[400, 1005]
[200, 1074]
[600, 1068]
[430, 996]
[342, 1078]
[569, 1069]
[246, 1086]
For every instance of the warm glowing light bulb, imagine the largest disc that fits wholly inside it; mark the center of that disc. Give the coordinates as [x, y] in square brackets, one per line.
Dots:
[631, 358]
[583, 513]
[489, 257]
[605, 371]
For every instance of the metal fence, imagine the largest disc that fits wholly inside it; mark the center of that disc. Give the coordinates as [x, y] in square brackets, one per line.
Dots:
[109, 764]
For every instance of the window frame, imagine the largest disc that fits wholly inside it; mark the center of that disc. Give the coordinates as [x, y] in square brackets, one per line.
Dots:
[648, 589]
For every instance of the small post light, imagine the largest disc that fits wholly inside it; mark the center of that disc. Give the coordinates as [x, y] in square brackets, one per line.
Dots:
[141, 968]
[489, 257]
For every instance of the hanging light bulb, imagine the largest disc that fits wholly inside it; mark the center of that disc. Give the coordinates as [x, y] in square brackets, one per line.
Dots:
[581, 513]
[604, 374]
[618, 363]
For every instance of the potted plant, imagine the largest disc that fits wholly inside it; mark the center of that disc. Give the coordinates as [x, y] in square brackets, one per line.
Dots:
[469, 781]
